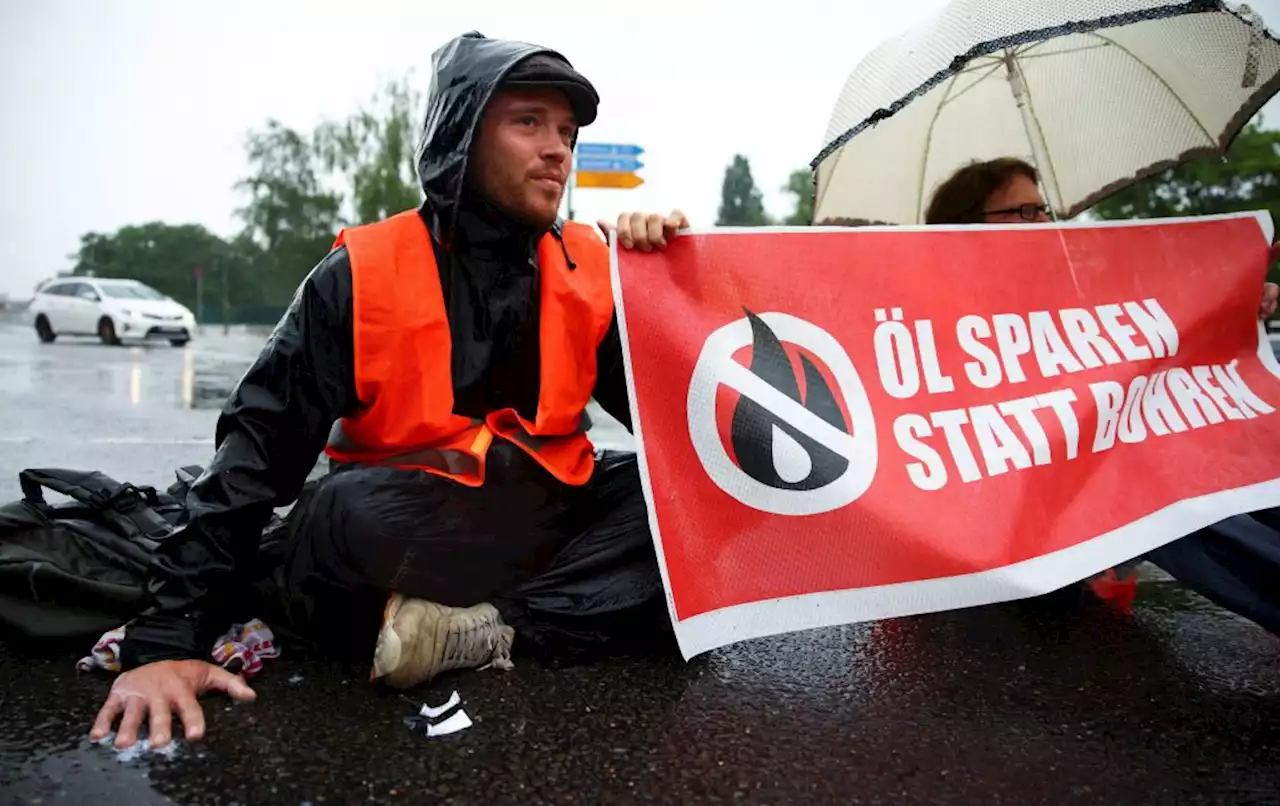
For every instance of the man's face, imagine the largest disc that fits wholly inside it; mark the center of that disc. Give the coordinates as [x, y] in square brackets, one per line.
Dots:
[522, 158]
[1018, 201]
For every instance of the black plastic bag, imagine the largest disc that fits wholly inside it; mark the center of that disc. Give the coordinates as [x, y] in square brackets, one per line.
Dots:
[77, 569]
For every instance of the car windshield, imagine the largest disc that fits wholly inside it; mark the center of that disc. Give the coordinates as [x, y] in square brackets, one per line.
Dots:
[129, 291]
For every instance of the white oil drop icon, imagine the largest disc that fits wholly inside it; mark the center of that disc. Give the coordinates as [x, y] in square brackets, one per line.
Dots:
[790, 460]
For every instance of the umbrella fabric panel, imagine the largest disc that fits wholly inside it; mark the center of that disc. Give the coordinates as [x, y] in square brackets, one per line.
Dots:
[927, 52]
[1139, 98]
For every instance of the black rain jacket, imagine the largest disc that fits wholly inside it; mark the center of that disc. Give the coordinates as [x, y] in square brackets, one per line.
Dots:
[278, 418]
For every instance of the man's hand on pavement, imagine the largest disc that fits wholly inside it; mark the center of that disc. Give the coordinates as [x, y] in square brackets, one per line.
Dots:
[159, 689]
[646, 231]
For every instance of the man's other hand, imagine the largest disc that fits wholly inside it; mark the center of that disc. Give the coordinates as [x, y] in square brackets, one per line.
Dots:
[1270, 295]
[645, 231]
[158, 689]
[1270, 291]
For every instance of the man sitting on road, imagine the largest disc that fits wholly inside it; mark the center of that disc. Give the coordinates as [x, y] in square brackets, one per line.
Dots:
[443, 358]
[1235, 563]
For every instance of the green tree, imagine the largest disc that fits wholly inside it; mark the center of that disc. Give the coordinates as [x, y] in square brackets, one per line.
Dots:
[800, 185]
[741, 203]
[291, 214]
[375, 151]
[301, 189]
[304, 189]
[1247, 179]
[164, 256]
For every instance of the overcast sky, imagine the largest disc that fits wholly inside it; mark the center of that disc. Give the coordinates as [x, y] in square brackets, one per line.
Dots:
[126, 111]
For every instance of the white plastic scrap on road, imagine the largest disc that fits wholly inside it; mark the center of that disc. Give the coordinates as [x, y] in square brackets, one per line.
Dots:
[439, 710]
[428, 719]
[458, 722]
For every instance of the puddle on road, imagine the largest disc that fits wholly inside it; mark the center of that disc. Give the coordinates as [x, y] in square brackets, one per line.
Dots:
[208, 387]
[206, 380]
[202, 383]
[199, 376]
[75, 771]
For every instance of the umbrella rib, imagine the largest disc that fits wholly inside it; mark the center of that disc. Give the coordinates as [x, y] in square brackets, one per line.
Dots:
[950, 98]
[977, 64]
[1048, 157]
[928, 144]
[1156, 75]
[1047, 170]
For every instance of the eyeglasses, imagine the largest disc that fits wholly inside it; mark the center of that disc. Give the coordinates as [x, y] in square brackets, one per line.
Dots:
[1027, 212]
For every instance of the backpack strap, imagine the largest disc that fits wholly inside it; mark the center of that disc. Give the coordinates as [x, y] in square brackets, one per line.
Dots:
[129, 508]
[186, 476]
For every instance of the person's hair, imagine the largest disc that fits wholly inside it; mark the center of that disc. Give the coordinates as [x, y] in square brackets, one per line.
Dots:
[960, 199]
[841, 221]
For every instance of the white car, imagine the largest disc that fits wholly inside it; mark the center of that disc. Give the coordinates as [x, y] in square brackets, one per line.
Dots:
[112, 310]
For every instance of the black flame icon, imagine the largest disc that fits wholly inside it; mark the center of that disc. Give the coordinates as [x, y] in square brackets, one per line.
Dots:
[771, 450]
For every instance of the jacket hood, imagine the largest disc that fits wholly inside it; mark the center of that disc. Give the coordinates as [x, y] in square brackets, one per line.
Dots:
[465, 72]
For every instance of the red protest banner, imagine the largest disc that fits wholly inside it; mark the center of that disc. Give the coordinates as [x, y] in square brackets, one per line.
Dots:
[844, 425]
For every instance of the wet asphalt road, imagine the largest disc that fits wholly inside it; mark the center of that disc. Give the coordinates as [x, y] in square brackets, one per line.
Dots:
[1178, 703]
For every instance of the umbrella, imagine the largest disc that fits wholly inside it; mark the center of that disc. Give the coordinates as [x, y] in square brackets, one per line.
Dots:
[1096, 93]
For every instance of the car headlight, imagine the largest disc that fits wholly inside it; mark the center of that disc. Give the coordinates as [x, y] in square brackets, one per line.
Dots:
[125, 312]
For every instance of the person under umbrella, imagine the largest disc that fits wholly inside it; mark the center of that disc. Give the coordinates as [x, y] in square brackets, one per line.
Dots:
[1234, 563]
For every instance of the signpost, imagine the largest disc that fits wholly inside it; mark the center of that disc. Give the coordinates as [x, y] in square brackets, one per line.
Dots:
[610, 164]
[608, 179]
[606, 165]
[608, 150]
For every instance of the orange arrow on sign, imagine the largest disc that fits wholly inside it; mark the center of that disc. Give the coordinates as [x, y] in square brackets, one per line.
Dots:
[607, 179]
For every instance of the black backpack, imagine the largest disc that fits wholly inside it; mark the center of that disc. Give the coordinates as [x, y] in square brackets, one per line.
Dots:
[77, 569]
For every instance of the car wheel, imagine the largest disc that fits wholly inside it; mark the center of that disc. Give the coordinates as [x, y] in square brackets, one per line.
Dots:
[44, 330]
[182, 342]
[107, 331]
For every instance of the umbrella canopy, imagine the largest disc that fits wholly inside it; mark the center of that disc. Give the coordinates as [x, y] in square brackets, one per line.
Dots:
[1096, 93]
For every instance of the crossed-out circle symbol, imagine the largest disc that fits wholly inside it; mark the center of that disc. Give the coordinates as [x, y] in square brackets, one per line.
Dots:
[716, 366]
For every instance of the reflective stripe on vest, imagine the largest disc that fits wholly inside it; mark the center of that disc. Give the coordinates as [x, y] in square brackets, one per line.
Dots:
[465, 465]
[403, 357]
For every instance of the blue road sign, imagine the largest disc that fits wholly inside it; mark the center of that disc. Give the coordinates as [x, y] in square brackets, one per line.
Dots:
[605, 164]
[608, 150]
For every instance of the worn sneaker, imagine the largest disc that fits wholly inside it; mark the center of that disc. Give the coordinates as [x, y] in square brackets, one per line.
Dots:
[421, 639]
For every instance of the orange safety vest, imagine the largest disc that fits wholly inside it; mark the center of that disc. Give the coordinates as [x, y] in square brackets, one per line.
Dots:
[403, 349]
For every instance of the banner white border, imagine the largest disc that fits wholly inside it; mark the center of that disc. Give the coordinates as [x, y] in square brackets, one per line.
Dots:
[717, 628]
